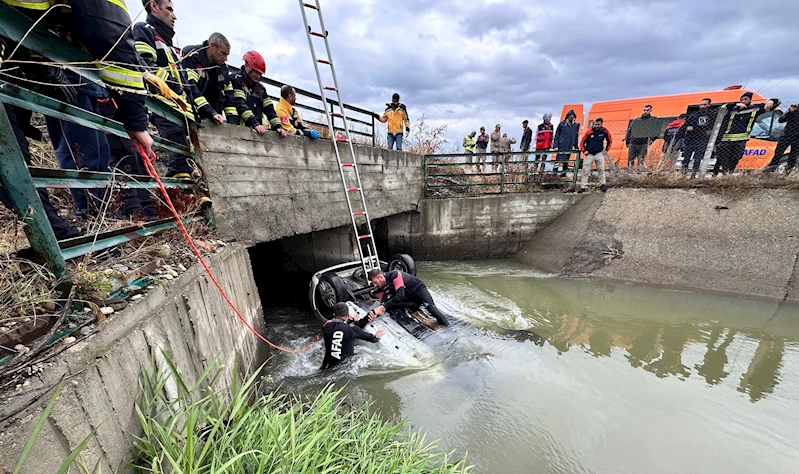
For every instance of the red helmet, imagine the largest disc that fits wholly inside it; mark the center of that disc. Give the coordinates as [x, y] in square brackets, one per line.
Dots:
[255, 61]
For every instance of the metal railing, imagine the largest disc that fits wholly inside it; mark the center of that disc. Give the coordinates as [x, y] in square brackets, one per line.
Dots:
[21, 181]
[456, 174]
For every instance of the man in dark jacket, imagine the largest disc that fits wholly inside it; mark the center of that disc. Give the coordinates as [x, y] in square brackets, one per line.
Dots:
[697, 129]
[640, 134]
[154, 45]
[527, 137]
[789, 138]
[567, 137]
[209, 78]
[397, 289]
[339, 336]
[735, 130]
[595, 145]
[253, 106]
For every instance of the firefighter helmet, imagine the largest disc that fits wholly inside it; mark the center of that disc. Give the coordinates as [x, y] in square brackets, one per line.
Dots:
[255, 61]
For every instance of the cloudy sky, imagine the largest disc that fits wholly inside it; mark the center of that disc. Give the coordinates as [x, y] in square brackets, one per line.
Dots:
[473, 63]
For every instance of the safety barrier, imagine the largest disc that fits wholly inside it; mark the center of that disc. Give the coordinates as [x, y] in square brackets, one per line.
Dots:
[506, 172]
[21, 182]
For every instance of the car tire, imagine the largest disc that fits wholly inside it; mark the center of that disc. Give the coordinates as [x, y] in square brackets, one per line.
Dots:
[402, 262]
[330, 290]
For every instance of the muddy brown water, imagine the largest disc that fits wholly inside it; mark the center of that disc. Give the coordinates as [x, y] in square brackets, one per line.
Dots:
[560, 375]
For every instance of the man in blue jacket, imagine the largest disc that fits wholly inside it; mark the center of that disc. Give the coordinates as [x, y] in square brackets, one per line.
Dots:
[595, 145]
[567, 137]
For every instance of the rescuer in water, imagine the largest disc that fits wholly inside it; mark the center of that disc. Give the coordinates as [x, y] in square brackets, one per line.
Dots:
[397, 289]
[340, 336]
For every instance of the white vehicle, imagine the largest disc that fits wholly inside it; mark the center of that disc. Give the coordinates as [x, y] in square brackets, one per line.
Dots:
[347, 283]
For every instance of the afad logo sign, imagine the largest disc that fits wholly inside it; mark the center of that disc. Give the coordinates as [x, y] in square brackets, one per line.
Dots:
[757, 152]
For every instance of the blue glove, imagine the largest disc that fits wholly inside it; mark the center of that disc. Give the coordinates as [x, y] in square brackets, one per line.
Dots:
[312, 134]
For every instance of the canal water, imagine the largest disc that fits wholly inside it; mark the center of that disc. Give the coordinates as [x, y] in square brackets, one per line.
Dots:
[560, 375]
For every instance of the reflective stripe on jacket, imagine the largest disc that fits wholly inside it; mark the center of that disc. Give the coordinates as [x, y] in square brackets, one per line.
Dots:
[253, 106]
[740, 122]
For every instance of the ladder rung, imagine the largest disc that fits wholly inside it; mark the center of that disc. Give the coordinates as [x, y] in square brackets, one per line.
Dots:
[359, 213]
[347, 165]
[362, 237]
[328, 88]
[316, 33]
[352, 190]
[336, 114]
[323, 61]
[310, 6]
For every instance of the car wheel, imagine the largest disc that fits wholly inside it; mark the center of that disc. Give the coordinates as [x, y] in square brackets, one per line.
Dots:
[402, 262]
[331, 290]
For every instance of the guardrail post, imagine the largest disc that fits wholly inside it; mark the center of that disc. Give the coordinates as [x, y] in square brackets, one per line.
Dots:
[576, 168]
[425, 173]
[374, 135]
[502, 174]
[16, 180]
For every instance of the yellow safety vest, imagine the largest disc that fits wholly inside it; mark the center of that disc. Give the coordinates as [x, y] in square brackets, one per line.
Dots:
[468, 143]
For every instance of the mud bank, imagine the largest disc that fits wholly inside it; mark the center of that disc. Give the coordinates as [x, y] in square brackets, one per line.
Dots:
[744, 242]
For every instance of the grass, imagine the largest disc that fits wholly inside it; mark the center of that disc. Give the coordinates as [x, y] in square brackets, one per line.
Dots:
[201, 430]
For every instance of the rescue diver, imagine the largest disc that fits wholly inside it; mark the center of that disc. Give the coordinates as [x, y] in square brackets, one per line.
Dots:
[397, 289]
[340, 336]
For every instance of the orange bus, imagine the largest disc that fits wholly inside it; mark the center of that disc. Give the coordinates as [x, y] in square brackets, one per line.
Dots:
[618, 114]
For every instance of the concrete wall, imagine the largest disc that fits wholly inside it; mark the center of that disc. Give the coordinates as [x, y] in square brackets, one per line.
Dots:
[266, 188]
[742, 242]
[472, 228]
[188, 319]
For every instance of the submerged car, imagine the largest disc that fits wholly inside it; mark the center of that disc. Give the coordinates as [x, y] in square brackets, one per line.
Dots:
[348, 283]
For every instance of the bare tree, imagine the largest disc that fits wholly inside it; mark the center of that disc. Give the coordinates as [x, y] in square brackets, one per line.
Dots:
[427, 140]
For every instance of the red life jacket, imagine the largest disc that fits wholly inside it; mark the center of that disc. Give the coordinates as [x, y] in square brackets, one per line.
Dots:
[545, 136]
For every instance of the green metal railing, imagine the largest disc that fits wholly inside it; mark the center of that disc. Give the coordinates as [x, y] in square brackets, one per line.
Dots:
[510, 172]
[21, 182]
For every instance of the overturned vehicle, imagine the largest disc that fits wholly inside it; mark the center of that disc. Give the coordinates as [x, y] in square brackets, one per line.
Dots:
[348, 283]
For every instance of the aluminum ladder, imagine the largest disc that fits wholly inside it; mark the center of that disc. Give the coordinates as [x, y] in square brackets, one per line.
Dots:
[367, 249]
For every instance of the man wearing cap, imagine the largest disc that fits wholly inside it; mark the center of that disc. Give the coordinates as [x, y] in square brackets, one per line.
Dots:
[735, 130]
[340, 336]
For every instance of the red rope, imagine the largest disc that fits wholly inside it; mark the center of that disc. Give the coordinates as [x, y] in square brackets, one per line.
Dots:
[154, 174]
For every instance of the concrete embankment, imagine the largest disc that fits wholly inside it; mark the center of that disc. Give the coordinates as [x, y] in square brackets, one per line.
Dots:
[188, 320]
[472, 228]
[743, 242]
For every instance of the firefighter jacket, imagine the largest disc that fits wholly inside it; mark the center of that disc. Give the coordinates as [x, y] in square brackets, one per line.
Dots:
[290, 117]
[155, 48]
[253, 106]
[99, 25]
[208, 84]
[544, 136]
[738, 124]
[397, 118]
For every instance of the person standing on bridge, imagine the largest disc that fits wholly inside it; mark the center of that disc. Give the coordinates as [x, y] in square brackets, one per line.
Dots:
[496, 144]
[567, 137]
[397, 289]
[253, 106]
[595, 145]
[290, 117]
[527, 140]
[468, 146]
[640, 134]
[698, 127]
[481, 147]
[396, 115]
[789, 138]
[544, 137]
[735, 130]
[339, 336]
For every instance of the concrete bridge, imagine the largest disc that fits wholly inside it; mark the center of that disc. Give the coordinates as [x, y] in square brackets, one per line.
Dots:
[267, 188]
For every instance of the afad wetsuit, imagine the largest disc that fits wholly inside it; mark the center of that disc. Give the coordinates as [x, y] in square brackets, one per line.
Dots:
[404, 290]
[340, 341]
